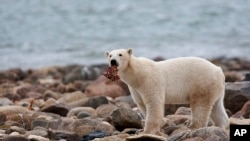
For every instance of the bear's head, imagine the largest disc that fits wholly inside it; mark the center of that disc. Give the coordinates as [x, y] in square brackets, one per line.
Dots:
[119, 58]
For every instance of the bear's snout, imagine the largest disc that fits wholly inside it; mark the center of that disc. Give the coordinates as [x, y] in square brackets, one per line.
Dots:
[113, 62]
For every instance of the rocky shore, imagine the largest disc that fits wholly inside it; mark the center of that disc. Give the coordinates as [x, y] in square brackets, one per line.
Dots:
[77, 103]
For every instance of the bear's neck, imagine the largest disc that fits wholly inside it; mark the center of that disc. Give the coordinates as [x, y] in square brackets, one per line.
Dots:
[132, 75]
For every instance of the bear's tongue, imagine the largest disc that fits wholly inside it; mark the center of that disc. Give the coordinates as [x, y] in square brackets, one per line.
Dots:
[111, 73]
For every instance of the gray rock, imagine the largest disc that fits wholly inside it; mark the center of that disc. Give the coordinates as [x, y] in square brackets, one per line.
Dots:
[85, 126]
[63, 135]
[93, 102]
[236, 95]
[126, 118]
[2, 119]
[15, 138]
[5, 101]
[146, 137]
[95, 134]
[77, 111]
[83, 115]
[105, 110]
[20, 130]
[208, 133]
[52, 106]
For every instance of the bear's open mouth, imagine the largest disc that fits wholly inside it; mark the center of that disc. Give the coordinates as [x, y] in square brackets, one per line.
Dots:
[111, 73]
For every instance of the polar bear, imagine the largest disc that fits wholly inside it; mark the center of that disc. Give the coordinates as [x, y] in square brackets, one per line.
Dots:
[181, 80]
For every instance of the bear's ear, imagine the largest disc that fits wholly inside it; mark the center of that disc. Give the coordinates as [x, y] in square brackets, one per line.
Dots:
[129, 51]
[107, 54]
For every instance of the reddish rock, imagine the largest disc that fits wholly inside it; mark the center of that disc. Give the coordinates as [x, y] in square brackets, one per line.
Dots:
[244, 112]
[105, 87]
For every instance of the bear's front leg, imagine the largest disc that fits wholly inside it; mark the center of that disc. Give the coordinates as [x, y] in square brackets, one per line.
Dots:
[138, 101]
[155, 114]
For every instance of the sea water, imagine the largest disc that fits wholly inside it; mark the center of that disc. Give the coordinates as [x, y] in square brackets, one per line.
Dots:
[38, 33]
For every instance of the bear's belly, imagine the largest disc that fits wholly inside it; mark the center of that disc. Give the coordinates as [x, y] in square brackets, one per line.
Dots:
[177, 98]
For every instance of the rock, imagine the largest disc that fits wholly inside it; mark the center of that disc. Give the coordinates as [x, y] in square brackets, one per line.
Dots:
[12, 75]
[233, 76]
[20, 130]
[48, 81]
[63, 135]
[183, 111]
[37, 138]
[83, 115]
[46, 120]
[5, 101]
[131, 131]
[39, 131]
[194, 139]
[34, 95]
[145, 137]
[179, 119]
[24, 89]
[105, 110]
[237, 121]
[126, 99]
[77, 110]
[106, 87]
[51, 94]
[125, 118]
[72, 97]
[85, 126]
[7, 90]
[170, 129]
[40, 123]
[247, 77]
[93, 102]
[2, 118]
[82, 73]
[244, 112]
[171, 108]
[52, 106]
[95, 134]
[81, 85]
[236, 95]
[206, 133]
[119, 137]
[15, 138]
[20, 120]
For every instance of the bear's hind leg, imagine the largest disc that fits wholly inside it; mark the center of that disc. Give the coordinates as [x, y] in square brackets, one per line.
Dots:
[201, 111]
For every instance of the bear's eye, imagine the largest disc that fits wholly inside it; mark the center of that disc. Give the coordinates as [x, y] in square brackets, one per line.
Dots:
[120, 54]
[110, 56]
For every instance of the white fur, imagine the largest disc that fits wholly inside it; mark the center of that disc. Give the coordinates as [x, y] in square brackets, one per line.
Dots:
[182, 80]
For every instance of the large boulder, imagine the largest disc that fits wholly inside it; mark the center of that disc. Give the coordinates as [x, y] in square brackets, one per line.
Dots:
[106, 87]
[126, 118]
[236, 95]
